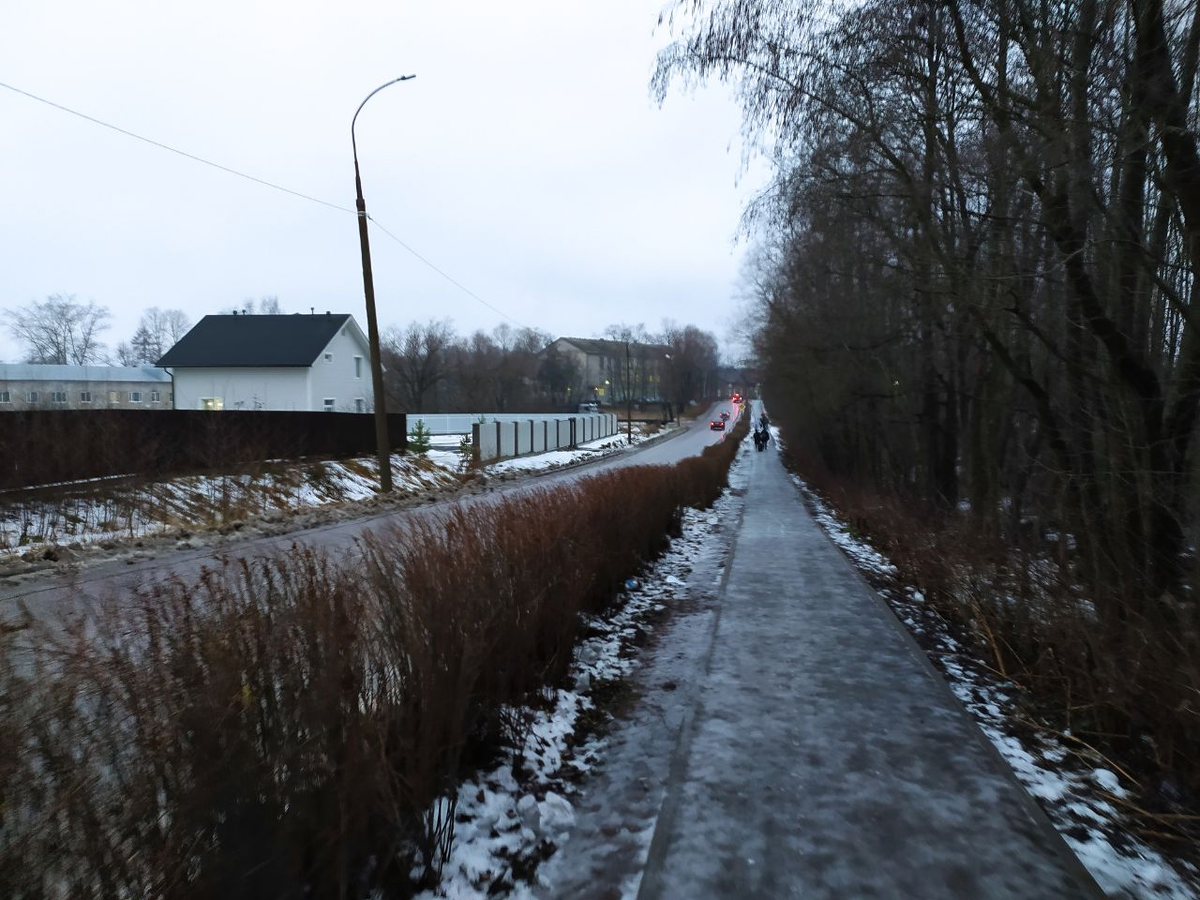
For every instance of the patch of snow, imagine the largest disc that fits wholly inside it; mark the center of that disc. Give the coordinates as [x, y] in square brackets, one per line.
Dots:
[556, 459]
[103, 511]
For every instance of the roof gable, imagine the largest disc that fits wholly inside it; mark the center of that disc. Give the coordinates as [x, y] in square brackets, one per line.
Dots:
[250, 341]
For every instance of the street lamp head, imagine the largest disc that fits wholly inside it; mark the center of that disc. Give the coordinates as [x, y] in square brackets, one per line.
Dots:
[353, 141]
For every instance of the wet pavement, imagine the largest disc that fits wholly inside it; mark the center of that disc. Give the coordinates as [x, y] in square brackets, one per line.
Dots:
[808, 750]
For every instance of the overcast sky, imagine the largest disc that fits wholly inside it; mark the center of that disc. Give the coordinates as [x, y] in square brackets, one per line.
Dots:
[527, 160]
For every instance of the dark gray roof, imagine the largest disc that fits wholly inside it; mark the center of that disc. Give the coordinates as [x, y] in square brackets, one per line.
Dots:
[222, 341]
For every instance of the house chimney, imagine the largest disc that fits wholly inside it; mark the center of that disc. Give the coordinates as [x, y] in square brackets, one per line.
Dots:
[327, 313]
[235, 312]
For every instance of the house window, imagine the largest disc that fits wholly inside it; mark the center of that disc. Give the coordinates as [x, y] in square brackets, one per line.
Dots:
[5, 397]
[329, 402]
[358, 367]
[212, 403]
[85, 396]
[155, 396]
[135, 396]
[328, 357]
[58, 396]
[31, 397]
[114, 396]
[359, 406]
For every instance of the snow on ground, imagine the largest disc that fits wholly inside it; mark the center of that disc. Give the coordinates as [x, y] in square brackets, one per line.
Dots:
[93, 519]
[556, 459]
[1078, 790]
[101, 512]
[506, 825]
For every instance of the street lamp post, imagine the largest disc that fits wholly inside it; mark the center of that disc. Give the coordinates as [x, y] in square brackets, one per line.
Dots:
[382, 445]
[670, 388]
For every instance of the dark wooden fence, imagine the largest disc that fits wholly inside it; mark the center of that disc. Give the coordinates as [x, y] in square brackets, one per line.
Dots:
[47, 446]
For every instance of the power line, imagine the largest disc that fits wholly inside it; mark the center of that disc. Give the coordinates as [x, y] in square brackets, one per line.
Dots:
[461, 287]
[256, 180]
[176, 150]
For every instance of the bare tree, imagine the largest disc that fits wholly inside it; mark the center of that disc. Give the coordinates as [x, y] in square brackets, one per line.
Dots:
[173, 324]
[981, 282]
[415, 358]
[267, 305]
[157, 331]
[691, 371]
[60, 330]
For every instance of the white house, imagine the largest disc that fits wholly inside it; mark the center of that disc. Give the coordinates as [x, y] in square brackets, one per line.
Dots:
[296, 362]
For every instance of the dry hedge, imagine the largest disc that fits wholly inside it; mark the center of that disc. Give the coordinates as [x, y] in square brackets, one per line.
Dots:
[297, 727]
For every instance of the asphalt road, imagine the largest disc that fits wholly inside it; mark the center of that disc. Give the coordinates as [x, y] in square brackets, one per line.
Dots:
[53, 593]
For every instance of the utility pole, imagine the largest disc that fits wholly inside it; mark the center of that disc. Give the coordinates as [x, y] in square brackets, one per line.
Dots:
[628, 398]
[382, 445]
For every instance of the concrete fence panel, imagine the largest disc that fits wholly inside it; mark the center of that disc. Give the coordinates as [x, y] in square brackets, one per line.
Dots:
[505, 437]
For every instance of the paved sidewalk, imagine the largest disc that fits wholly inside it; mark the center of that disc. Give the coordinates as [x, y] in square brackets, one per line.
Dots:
[822, 756]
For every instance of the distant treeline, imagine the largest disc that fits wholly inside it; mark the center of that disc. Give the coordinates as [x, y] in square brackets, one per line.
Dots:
[431, 368]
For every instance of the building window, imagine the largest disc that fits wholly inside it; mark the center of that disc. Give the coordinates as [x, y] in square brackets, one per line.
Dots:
[212, 403]
[155, 396]
[31, 397]
[85, 396]
[328, 357]
[114, 396]
[135, 396]
[5, 397]
[329, 402]
[58, 396]
[359, 405]
[358, 367]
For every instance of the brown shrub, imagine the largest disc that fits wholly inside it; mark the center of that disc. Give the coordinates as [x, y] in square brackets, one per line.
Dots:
[292, 727]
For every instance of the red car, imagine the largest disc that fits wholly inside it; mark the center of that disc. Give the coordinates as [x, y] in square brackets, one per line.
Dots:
[724, 416]
[717, 425]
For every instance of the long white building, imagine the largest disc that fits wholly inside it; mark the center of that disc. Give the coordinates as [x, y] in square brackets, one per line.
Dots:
[38, 386]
